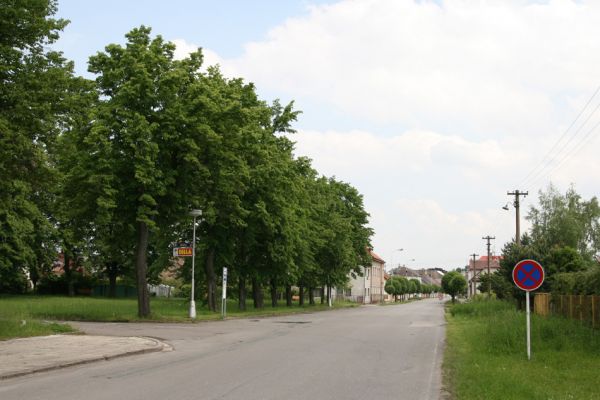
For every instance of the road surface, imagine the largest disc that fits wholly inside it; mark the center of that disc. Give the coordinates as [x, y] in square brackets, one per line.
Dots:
[372, 352]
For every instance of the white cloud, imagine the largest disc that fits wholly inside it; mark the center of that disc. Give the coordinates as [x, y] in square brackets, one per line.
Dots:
[476, 91]
[492, 66]
[184, 48]
[420, 187]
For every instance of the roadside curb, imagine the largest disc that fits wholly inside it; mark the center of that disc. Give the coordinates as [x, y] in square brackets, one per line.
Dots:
[157, 347]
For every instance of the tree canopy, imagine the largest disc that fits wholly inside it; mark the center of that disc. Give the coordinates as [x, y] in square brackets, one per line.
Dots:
[106, 171]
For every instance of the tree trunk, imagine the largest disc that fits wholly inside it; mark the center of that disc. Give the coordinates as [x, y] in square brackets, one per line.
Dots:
[257, 295]
[311, 296]
[69, 275]
[211, 281]
[242, 293]
[112, 285]
[301, 295]
[273, 292]
[111, 271]
[288, 295]
[141, 270]
[322, 294]
[329, 299]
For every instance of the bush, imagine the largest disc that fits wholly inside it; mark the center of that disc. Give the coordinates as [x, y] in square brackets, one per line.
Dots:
[582, 282]
[12, 281]
[57, 284]
[52, 284]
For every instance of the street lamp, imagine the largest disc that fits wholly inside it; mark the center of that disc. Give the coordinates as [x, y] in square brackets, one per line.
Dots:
[194, 213]
[392, 258]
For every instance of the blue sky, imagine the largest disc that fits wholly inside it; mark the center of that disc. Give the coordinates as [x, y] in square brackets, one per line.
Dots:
[224, 25]
[432, 109]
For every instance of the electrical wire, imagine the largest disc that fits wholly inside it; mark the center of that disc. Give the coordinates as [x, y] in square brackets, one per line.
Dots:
[564, 152]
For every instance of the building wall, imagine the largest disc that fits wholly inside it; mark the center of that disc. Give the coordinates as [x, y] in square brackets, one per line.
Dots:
[377, 282]
[358, 286]
[479, 268]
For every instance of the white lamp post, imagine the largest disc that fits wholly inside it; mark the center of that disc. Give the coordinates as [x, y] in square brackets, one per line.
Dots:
[392, 258]
[194, 213]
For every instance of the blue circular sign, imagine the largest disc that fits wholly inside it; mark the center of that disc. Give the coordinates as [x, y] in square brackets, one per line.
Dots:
[528, 275]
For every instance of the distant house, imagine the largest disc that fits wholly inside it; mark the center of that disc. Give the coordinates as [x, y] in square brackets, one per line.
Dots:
[368, 288]
[408, 273]
[478, 268]
[377, 278]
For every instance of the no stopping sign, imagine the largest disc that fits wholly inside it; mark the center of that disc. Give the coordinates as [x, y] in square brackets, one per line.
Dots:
[528, 275]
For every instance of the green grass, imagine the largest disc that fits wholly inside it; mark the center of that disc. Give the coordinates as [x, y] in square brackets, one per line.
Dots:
[486, 355]
[36, 309]
[25, 328]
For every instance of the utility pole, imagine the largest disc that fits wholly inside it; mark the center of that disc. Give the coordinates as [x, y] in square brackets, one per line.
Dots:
[471, 291]
[517, 193]
[488, 238]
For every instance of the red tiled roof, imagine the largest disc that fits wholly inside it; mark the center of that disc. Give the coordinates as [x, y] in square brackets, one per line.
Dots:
[484, 258]
[376, 257]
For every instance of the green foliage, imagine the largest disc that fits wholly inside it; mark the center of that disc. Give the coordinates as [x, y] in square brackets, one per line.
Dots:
[106, 171]
[454, 283]
[499, 285]
[415, 286]
[583, 282]
[565, 221]
[564, 259]
[35, 90]
[397, 286]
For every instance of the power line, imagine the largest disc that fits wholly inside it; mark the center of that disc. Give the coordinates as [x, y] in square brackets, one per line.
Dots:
[572, 152]
[549, 156]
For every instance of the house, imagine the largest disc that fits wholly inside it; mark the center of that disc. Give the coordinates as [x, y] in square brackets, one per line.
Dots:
[479, 267]
[408, 273]
[368, 288]
[377, 278]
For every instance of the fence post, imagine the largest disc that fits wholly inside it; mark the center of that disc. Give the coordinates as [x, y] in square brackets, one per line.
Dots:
[571, 306]
[593, 311]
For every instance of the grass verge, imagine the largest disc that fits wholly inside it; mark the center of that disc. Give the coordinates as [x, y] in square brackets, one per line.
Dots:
[486, 355]
[34, 310]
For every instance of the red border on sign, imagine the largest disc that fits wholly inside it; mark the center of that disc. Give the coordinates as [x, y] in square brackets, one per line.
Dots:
[537, 282]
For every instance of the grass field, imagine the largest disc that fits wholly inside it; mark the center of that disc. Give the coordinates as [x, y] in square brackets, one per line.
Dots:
[486, 355]
[22, 316]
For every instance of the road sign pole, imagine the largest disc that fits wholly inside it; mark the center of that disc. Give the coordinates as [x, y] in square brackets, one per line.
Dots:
[528, 326]
[224, 297]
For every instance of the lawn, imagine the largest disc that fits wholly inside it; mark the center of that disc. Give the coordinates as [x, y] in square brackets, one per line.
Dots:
[22, 316]
[486, 355]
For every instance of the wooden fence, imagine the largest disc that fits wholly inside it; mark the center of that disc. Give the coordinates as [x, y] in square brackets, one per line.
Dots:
[581, 307]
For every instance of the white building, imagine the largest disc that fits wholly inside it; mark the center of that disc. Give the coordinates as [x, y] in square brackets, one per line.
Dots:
[368, 288]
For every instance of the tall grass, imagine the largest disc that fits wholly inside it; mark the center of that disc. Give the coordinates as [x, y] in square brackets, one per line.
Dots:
[486, 355]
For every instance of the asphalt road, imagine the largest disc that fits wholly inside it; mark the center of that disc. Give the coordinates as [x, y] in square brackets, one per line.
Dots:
[372, 352]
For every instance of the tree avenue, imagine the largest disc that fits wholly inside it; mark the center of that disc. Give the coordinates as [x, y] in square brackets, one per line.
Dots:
[117, 163]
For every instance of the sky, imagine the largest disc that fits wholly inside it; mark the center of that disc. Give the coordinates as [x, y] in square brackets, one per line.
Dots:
[433, 110]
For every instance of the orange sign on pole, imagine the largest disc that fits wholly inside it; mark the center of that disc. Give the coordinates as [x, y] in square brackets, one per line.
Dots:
[182, 252]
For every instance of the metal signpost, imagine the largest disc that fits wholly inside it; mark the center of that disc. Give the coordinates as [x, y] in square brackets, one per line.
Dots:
[528, 275]
[224, 297]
